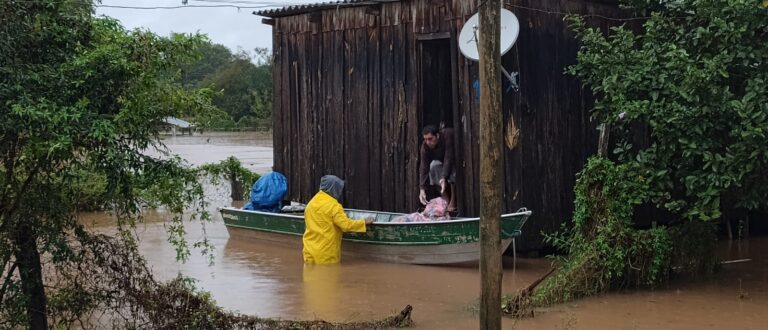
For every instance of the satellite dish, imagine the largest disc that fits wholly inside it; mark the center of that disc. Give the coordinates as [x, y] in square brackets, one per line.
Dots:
[468, 37]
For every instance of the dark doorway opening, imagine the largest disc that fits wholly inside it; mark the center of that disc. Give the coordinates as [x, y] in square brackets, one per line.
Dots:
[436, 78]
[437, 89]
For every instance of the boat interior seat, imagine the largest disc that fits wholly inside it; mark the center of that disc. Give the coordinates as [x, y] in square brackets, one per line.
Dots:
[379, 217]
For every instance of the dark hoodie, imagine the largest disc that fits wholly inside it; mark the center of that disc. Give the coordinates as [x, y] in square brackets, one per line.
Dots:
[332, 185]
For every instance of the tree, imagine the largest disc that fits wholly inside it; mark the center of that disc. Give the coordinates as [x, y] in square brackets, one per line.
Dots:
[244, 88]
[212, 58]
[697, 79]
[80, 93]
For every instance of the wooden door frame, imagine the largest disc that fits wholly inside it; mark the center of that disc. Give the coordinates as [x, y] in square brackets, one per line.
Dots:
[453, 48]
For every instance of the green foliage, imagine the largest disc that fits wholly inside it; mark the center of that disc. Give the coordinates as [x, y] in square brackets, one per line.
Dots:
[244, 89]
[604, 250]
[694, 248]
[12, 312]
[696, 77]
[212, 57]
[80, 98]
[87, 190]
[232, 170]
[692, 79]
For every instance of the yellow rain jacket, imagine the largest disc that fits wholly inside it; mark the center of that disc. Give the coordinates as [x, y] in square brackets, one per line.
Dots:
[326, 222]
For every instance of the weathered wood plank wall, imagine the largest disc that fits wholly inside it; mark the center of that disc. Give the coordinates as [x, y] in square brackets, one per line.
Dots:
[346, 99]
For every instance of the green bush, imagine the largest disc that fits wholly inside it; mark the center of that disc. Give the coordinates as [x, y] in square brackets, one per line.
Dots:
[232, 170]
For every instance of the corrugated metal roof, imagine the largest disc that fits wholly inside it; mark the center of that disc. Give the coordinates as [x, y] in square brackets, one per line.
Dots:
[177, 122]
[310, 7]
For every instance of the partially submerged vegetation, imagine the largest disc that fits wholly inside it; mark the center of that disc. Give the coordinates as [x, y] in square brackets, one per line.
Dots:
[230, 169]
[89, 189]
[108, 284]
[686, 100]
[604, 251]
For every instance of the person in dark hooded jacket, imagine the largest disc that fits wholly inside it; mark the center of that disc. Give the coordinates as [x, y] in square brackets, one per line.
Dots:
[326, 222]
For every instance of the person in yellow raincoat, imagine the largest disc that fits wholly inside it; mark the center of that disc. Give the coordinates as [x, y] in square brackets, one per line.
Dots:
[326, 222]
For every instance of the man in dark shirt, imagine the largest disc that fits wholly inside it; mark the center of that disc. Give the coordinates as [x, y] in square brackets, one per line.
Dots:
[437, 163]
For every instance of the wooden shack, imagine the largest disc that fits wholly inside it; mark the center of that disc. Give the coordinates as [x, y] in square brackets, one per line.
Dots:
[355, 81]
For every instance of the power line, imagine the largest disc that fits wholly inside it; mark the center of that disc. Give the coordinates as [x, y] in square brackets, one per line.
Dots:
[238, 4]
[245, 4]
[276, 4]
[222, 4]
[184, 6]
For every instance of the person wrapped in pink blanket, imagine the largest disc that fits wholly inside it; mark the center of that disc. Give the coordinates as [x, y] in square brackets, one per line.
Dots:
[436, 210]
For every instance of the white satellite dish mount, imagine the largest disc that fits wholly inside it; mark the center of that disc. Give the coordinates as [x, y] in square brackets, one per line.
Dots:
[510, 29]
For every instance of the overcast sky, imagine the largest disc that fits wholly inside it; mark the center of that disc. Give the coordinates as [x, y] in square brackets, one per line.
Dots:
[229, 26]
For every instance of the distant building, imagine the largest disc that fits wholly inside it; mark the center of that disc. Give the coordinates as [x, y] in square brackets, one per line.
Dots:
[173, 123]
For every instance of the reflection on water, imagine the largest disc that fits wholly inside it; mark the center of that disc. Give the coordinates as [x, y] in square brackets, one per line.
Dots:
[270, 281]
[322, 290]
[736, 298]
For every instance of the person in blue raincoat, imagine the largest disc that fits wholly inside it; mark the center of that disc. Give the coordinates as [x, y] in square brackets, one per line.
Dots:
[326, 222]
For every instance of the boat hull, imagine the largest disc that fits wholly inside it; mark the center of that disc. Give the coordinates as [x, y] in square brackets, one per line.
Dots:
[441, 242]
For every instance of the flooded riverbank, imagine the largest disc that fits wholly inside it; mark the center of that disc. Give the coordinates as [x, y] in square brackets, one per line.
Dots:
[253, 149]
[269, 281]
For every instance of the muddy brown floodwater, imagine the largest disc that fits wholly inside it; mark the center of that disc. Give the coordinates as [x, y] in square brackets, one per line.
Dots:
[253, 149]
[269, 281]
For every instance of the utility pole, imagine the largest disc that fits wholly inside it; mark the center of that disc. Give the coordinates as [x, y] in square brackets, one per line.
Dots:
[491, 144]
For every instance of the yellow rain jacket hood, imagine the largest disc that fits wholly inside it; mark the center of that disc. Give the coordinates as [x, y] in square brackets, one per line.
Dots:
[326, 222]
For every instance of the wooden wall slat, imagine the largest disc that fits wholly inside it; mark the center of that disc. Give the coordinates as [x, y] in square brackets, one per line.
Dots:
[388, 118]
[374, 125]
[277, 97]
[315, 160]
[288, 140]
[400, 108]
[412, 132]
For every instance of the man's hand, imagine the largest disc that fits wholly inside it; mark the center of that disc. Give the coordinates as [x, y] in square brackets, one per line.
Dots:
[369, 221]
[442, 186]
[422, 197]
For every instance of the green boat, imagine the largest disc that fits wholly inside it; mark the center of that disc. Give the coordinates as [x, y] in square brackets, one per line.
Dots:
[436, 242]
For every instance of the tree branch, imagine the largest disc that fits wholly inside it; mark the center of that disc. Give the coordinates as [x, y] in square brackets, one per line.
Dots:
[20, 194]
[7, 280]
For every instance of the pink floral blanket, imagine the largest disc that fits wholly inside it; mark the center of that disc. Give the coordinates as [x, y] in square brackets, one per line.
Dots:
[436, 210]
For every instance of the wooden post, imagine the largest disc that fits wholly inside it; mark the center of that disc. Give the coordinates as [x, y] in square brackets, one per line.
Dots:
[605, 136]
[237, 186]
[491, 145]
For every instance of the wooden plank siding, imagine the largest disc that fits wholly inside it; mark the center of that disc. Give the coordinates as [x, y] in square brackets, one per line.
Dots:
[347, 103]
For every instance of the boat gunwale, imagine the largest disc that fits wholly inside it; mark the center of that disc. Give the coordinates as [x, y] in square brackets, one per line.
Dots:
[458, 220]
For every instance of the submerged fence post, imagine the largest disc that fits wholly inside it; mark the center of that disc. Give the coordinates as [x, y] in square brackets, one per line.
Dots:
[605, 137]
[236, 184]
